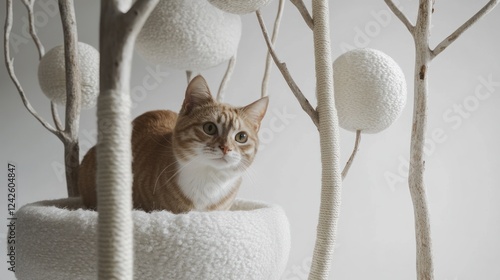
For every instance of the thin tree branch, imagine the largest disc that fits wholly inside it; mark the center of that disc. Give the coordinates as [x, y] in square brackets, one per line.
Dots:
[304, 12]
[73, 95]
[139, 13]
[131, 19]
[351, 158]
[451, 38]
[226, 78]
[401, 16]
[32, 29]
[55, 116]
[304, 103]
[73, 76]
[9, 62]
[416, 182]
[267, 70]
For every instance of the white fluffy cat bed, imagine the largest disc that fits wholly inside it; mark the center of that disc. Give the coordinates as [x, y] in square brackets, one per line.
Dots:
[251, 241]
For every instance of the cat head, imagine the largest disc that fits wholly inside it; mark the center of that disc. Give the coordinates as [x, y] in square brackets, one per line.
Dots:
[216, 134]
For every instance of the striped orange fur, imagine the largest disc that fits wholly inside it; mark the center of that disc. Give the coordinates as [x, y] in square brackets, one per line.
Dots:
[193, 160]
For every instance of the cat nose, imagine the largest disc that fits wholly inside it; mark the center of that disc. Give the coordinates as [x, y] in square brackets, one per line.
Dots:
[224, 148]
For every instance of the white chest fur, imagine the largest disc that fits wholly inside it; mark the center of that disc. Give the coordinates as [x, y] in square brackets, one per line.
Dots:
[205, 185]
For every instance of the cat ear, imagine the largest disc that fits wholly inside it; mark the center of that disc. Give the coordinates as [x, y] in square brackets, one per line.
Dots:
[197, 94]
[255, 112]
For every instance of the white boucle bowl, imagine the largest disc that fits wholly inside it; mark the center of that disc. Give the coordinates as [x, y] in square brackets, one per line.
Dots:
[189, 35]
[56, 240]
[239, 7]
[52, 75]
[370, 90]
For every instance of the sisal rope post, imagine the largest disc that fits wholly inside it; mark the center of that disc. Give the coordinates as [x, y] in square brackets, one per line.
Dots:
[119, 28]
[329, 142]
[114, 181]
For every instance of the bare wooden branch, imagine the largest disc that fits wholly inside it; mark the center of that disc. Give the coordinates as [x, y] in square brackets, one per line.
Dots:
[304, 12]
[73, 76]
[304, 103]
[135, 14]
[225, 80]
[453, 36]
[267, 70]
[129, 21]
[32, 29]
[353, 155]
[424, 256]
[401, 16]
[9, 62]
[118, 6]
[55, 116]
[73, 95]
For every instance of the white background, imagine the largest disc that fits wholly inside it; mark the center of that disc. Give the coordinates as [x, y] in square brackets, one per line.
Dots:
[375, 231]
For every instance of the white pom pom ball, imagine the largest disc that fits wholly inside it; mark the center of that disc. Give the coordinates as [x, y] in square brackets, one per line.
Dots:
[370, 90]
[189, 35]
[52, 75]
[239, 7]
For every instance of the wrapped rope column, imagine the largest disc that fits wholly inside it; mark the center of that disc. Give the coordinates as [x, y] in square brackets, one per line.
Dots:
[329, 141]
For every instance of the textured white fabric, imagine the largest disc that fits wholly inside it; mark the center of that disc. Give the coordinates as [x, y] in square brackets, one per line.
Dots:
[239, 7]
[52, 75]
[370, 90]
[189, 35]
[252, 241]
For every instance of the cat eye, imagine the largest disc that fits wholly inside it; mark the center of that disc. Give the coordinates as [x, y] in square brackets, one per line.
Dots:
[241, 137]
[210, 128]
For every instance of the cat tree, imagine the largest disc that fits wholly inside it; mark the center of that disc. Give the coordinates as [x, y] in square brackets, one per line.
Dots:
[113, 226]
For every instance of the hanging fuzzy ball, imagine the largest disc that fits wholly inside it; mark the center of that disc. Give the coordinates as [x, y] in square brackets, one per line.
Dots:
[189, 35]
[239, 7]
[52, 75]
[370, 90]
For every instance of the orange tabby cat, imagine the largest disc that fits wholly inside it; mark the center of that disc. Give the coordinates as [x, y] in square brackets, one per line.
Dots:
[193, 160]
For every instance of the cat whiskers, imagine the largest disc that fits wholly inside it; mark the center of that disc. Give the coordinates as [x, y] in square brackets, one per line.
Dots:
[169, 141]
[159, 175]
[248, 171]
[171, 177]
